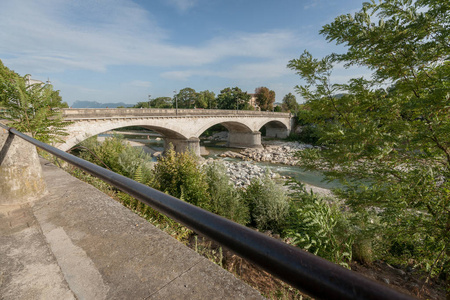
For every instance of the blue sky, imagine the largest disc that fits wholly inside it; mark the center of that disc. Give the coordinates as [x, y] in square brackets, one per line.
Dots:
[124, 50]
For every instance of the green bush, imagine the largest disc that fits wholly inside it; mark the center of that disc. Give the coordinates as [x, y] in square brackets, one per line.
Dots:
[104, 154]
[225, 200]
[180, 175]
[412, 216]
[118, 156]
[309, 134]
[268, 204]
[318, 227]
[136, 164]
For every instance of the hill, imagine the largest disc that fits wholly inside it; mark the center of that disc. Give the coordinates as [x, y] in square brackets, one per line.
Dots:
[95, 104]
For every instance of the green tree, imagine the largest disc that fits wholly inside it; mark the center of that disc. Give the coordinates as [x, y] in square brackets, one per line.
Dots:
[31, 108]
[265, 98]
[141, 105]
[289, 103]
[186, 98]
[396, 139]
[161, 102]
[233, 98]
[206, 99]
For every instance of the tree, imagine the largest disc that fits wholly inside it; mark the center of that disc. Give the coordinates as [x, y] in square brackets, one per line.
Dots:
[396, 139]
[141, 105]
[206, 99]
[265, 98]
[161, 102]
[233, 98]
[186, 98]
[290, 103]
[277, 109]
[31, 108]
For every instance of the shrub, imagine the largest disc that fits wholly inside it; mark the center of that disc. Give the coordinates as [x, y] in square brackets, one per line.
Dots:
[118, 156]
[317, 226]
[225, 200]
[105, 154]
[268, 204]
[180, 175]
[309, 134]
[136, 164]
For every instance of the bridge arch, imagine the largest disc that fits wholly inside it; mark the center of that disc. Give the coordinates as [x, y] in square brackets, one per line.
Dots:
[276, 129]
[80, 131]
[181, 127]
[240, 135]
[231, 126]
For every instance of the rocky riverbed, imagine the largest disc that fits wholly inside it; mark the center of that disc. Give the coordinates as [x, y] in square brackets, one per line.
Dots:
[278, 154]
[242, 173]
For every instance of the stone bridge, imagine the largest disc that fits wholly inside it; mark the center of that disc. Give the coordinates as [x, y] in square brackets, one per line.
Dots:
[181, 127]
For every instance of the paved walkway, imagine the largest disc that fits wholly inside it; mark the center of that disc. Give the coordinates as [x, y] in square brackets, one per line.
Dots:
[77, 243]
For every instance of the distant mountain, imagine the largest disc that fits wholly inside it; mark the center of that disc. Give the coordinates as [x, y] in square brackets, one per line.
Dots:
[95, 104]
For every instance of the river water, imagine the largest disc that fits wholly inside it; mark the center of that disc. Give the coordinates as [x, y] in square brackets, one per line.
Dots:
[154, 143]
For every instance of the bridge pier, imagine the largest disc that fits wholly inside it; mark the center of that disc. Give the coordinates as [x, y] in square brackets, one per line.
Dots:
[183, 145]
[244, 139]
[275, 132]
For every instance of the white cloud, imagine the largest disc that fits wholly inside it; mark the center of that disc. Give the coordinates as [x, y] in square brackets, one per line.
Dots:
[139, 84]
[182, 5]
[266, 69]
[311, 4]
[182, 75]
[256, 71]
[50, 36]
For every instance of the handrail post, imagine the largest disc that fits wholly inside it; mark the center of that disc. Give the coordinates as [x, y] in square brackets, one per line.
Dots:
[21, 178]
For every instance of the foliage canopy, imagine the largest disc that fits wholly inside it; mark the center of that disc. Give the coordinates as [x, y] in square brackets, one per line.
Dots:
[289, 103]
[31, 108]
[392, 130]
[265, 98]
[233, 98]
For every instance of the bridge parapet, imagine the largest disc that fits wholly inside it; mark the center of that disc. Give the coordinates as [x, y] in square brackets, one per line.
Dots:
[99, 113]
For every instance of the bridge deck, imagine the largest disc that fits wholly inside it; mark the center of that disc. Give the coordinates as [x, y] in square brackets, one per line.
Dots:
[77, 243]
[108, 113]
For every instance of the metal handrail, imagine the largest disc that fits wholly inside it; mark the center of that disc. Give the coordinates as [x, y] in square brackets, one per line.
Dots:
[311, 274]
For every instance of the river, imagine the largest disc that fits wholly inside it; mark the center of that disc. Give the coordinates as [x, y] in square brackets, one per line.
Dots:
[152, 142]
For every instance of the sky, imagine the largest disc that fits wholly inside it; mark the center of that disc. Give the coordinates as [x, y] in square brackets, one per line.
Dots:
[125, 50]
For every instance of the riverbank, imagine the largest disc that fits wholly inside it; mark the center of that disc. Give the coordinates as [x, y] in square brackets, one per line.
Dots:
[242, 172]
[277, 153]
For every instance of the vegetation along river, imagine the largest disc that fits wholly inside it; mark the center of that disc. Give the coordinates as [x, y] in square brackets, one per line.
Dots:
[152, 142]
